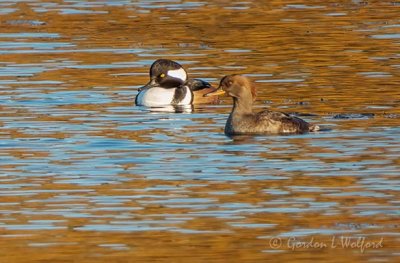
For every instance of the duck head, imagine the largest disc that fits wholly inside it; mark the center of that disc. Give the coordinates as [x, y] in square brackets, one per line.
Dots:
[198, 84]
[167, 74]
[236, 86]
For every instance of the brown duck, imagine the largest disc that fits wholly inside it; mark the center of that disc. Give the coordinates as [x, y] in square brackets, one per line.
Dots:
[243, 120]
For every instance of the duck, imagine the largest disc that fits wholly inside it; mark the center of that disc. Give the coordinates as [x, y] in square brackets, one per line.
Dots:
[243, 121]
[169, 85]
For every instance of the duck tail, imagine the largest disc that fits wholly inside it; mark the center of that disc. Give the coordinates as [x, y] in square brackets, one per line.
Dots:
[313, 128]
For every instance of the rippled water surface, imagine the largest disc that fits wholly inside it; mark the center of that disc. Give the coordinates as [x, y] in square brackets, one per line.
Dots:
[88, 177]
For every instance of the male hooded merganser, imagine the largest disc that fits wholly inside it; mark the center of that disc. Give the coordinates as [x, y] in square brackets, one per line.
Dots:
[169, 85]
[242, 120]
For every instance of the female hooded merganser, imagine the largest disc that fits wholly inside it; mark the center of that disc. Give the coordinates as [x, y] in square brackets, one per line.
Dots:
[242, 120]
[169, 85]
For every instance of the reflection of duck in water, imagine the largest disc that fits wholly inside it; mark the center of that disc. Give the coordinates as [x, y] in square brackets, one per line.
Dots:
[242, 120]
[169, 85]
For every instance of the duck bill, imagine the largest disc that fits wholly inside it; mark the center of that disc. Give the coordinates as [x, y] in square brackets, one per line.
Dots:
[152, 83]
[216, 92]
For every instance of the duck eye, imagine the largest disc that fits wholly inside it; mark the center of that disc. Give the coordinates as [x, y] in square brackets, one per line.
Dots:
[162, 75]
[230, 83]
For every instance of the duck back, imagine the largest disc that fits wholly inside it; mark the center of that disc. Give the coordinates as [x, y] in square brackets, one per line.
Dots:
[266, 122]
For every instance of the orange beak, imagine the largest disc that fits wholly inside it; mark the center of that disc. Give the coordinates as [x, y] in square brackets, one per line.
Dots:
[218, 91]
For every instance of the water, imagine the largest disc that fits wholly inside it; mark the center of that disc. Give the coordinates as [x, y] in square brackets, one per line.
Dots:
[87, 175]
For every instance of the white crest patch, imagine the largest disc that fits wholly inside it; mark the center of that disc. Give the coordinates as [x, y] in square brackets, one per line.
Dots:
[178, 73]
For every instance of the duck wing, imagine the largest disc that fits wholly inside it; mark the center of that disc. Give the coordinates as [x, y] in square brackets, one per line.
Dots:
[283, 122]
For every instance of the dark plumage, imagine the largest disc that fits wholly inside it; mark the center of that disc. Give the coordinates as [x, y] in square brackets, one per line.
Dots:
[242, 120]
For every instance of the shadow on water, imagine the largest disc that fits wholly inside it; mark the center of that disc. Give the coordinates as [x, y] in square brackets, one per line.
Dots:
[87, 175]
[171, 108]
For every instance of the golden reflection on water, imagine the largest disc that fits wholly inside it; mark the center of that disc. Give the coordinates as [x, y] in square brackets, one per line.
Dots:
[88, 177]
